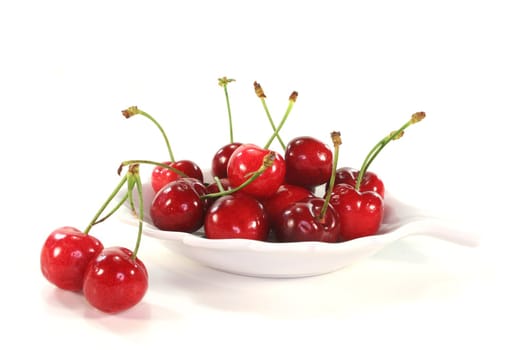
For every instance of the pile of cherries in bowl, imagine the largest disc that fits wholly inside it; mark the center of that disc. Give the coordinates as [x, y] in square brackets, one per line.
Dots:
[256, 193]
[287, 202]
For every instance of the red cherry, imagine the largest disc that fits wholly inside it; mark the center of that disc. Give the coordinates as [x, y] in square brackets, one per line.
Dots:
[300, 222]
[162, 176]
[286, 195]
[370, 181]
[246, 160]
[308, 162]
[200, 188]
[360, 213]
[220, 160]
[115, 281]
[65, 255]
[236, 216]
[177, 207]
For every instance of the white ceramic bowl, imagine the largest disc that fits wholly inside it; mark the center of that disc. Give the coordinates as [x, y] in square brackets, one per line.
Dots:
[300, 259]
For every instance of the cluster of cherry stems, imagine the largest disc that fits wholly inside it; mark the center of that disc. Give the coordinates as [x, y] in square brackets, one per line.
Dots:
[256, 193]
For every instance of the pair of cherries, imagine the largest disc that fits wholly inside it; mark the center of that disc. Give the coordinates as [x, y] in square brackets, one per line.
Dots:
[112, 279]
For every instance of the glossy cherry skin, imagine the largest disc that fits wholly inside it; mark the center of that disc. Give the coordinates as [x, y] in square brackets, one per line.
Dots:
[177, 207]
[308, 162]
[300, 222]
[247, 159]
[65, 255]
[370, 181]
[286, 195]
[360, 213]
[200, 188]
[162, 176]
[114, 281]
[236, 216]
[220, 160]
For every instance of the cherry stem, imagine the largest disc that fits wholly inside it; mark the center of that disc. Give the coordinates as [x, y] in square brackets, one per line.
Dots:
[134, 171]
[134, 110]
[260, 93]
[118, 205]
[415, 118]
[291, 103]
[336, 139]
[219, 184]
[266, 163]
[151, 162]
[224, 83]
[106, 203]
[131, 184]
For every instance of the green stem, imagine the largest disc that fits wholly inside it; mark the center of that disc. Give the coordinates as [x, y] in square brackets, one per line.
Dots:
[387, 140]
[229, 112]
[138, 184]
[131, 185]
[151, 162]
[336, 139]
[415, 118]
[219, 183]
[106, 203]
[265, 106]
[117, 206]
[224, 81]
[366, 162]
[131, 111]
[291, 102]
[267, 162]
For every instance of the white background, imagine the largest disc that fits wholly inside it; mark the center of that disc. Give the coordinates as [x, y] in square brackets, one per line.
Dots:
[67, 69]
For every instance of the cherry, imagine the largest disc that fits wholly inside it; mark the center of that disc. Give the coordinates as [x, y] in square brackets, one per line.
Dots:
[220, 159]
[161, 176]
[308, 162]
[236, 216]
[178, 207]
[247, 159]
[304, 220]
[115, 280]
[370, 182]
[64, 256]
[285, 196]
[360, 213]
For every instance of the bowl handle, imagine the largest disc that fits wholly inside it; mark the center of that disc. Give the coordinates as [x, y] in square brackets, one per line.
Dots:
[445, 229]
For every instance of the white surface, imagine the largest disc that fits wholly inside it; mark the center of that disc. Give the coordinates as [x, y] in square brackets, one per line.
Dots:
[67, 69]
